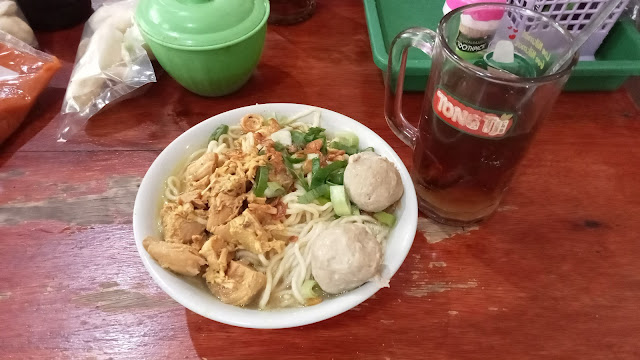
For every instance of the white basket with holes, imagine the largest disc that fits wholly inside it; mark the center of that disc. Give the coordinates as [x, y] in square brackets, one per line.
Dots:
[574, 15]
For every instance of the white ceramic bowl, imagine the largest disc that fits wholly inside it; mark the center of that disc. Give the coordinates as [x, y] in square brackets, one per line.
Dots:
[196, 297]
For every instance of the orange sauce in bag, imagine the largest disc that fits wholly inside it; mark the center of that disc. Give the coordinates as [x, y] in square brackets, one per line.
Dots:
[24, 73]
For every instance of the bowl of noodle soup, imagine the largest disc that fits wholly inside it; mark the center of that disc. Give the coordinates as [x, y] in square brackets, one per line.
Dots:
[286, 271]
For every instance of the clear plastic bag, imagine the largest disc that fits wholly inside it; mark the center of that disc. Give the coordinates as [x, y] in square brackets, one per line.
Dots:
[14, 23]
[24, 73]
[111, 62]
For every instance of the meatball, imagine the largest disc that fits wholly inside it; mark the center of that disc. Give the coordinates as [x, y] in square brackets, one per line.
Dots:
[372, 182]
[345, 257]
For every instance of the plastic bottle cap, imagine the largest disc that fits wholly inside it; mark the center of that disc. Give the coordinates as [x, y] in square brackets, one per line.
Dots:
[479, 15]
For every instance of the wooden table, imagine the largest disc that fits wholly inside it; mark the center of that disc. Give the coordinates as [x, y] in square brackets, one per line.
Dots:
[554, 274]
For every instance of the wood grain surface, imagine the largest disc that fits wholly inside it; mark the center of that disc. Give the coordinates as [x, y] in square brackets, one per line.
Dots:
[554, 274]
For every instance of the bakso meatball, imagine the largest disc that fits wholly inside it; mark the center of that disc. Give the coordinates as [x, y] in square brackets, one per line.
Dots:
[345, 257]
[372, 182]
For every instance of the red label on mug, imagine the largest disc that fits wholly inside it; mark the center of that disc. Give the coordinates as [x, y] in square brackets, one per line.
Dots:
[483, 123]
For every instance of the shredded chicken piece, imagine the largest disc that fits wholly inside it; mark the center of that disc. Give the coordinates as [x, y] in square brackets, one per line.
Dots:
[197, 241]
[251, 123]
[253, 199]
[194, 197]
[238, 286]
[179, 258]
[247, 232]
[199, 185]
[265, 208]
[202, 167]
[250, 166]
[279, 232]
[264, 213]
[223, 208]
[228, 189]
[181, 222]
[218, 253]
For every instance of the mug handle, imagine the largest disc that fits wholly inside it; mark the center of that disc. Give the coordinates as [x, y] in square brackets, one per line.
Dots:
[420, 38]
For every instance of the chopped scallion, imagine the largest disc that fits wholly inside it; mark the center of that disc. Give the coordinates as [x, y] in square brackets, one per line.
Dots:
[297, 137]
[309, 196]
[320, 176]
[340, 200]
[219, 131]
[347, 138]
[273, 190]
[314, 133]
[315, 165]
[296, 160]
[308, 291]
[262, 177]
[385, 218]
[336, 177]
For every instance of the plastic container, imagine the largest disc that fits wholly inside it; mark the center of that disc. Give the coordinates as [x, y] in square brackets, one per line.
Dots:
[617, 59]
[574, 15]
[210, 47]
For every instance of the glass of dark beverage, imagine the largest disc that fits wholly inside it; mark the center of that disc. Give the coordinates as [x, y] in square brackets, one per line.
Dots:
[489, 88]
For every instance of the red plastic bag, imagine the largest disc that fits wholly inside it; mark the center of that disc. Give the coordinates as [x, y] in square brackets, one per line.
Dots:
[24, 73]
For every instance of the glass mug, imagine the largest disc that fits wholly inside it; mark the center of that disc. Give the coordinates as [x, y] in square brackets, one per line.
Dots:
[477, 120]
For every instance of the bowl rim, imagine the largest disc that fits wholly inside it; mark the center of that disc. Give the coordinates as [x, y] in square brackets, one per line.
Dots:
[297, 316]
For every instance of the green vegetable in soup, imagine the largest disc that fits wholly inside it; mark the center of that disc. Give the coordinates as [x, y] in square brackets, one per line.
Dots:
[340, 200]
[314, 133]
[336, 177]
[273, 190]
[347, 138]
[385, 218]
[262, 177]
[308, 289]
[313, 194]
[297, 138]
[219, 131]
[320, 176]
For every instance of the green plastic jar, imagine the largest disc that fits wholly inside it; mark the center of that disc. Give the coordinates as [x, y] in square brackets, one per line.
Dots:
[210, 47]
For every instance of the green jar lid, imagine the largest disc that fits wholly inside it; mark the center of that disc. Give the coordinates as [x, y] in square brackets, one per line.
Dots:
[200, 23]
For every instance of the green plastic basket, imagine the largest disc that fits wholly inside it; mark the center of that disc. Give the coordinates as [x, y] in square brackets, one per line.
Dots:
[617, 59]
